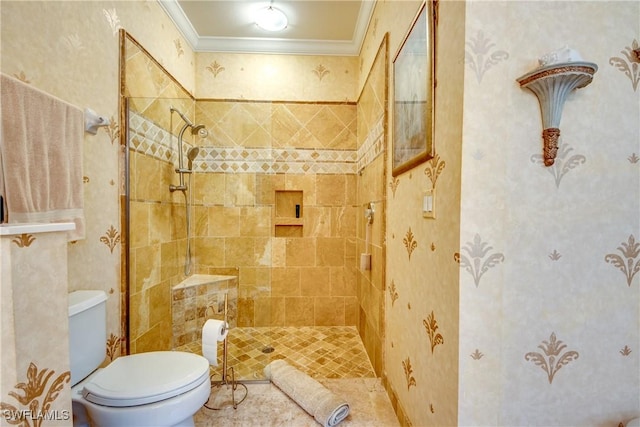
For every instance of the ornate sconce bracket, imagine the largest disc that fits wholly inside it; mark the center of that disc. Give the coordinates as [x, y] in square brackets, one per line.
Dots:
[551, 83]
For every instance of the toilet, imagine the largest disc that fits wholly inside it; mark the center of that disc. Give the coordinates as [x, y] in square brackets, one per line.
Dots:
[159, 388]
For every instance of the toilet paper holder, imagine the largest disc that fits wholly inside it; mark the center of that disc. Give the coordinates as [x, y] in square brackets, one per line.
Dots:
[227, 370]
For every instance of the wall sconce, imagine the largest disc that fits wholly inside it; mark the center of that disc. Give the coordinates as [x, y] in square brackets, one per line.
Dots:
[560, 72]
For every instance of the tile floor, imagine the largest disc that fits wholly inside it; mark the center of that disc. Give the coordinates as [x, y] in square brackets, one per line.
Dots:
[333, 355]
[266, 406]
[319, 351]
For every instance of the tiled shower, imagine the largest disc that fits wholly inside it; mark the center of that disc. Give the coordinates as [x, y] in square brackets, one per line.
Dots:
[276, 198]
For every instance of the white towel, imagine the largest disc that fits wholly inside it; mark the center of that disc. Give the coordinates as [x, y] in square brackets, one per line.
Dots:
[41, 157]
[317, 400]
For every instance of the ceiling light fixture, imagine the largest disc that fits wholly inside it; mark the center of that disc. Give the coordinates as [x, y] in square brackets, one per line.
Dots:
[271, 19]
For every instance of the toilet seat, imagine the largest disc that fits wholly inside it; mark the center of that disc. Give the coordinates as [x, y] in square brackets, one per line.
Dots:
[144, 378]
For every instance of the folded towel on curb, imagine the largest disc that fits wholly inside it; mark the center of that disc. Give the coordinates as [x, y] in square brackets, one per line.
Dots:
[318, 401]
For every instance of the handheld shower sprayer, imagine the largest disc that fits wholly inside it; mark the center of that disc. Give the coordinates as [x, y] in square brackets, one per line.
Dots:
[191, 155]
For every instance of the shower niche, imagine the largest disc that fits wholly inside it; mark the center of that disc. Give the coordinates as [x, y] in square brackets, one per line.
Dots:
[288, 213]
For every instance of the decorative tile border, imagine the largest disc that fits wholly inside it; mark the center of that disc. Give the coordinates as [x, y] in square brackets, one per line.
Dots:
[147, 138]
[271, 160]
[372, 146]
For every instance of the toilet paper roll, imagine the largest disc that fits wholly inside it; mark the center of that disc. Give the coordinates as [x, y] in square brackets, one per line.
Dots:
[214, 331]
[210, 352]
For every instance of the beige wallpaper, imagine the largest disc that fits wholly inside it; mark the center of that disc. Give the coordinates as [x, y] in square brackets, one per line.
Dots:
[421, 292]
[549, 299]
[276, 77]
[34, 381]
[75, 56]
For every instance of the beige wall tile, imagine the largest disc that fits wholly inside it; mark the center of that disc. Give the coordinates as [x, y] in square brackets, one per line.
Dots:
[223, 221]
[329, 311]
[315, 281]
[330, 190]
[330, 251]
[170, 260]
[157, 338]
[159, 303]
[300, 252]
[209, 188]
[265, 188]
[255, 221]
[305, 183]
[317, 221]
[239, 251]
[139, 215]
[269, 311]
[209, 251]
[285, 282]
[245, 312]
[299, 311]
[279, 252]
[159, 223]
[240, 190]
[351, 310]
[147, 267]
[343, 221]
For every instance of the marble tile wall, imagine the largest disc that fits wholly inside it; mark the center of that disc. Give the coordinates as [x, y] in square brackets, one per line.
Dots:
[254, 149]
[372, 121]
[157, 235]
[194, 303]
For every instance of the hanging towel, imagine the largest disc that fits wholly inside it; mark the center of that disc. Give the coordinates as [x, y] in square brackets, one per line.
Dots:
[40, 157]
[317, 400]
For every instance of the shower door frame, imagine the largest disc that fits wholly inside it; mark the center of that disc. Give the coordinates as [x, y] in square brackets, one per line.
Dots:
[125, 212]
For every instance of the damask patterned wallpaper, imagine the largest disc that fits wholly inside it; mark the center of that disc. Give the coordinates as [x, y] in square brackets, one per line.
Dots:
[540, 249]
[549, 256]
[75, 56]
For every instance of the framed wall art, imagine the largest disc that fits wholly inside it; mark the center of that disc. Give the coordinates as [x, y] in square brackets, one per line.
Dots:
[414, 90]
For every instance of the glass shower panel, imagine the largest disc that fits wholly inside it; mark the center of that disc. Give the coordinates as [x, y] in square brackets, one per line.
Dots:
[156, 216]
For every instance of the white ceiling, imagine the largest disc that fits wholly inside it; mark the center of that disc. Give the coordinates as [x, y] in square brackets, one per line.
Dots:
[316, 27]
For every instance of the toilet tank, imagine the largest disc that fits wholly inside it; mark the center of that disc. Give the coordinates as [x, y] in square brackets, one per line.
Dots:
[87, 332]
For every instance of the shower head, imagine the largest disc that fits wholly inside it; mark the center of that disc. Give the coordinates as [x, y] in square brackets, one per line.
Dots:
[199, 130]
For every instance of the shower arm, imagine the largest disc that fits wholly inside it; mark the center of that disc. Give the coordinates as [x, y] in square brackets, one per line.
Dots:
[187, 121]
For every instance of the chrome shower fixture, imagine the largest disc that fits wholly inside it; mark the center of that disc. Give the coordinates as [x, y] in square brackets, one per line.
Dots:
[192, 154]
[199, 130]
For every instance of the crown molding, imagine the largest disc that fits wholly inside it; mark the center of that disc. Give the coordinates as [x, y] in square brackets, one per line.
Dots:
[270, 45]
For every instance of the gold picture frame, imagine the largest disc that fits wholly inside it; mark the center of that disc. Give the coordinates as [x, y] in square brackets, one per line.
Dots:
[414, 93]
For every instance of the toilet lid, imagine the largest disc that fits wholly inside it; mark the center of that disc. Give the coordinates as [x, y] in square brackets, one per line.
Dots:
[146, 378]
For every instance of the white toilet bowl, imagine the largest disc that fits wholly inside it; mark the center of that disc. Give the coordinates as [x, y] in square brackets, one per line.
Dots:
[163, 388]
[633, 423]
